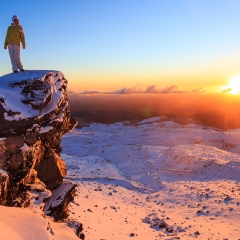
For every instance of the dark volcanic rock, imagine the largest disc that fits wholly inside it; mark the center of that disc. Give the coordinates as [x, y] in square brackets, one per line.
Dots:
[51, 170]
[4, 181]
[34, 114]
[57, 205]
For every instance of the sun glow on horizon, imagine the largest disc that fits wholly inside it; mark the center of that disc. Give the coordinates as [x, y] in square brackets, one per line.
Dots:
[235, 84]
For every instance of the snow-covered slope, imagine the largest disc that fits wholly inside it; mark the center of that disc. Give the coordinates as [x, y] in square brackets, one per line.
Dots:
[24, 224]
[155, 180]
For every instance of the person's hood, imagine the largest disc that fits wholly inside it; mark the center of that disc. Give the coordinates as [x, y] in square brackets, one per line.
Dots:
[14, 17]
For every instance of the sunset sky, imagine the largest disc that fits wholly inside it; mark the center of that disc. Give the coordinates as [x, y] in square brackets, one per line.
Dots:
[106, 45]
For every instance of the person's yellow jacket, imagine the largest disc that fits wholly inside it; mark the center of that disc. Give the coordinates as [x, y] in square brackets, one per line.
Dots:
[15, 35]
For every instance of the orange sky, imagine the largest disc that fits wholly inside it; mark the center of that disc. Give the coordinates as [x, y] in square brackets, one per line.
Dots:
[188, 80]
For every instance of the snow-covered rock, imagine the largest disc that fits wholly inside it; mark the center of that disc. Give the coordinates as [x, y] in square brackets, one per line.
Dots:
[57, 205]
[34, 114]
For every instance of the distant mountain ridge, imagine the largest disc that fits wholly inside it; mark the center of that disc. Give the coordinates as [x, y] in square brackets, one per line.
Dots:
[211, 110]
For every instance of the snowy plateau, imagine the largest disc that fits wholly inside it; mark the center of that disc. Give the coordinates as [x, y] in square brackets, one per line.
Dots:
[154, 179]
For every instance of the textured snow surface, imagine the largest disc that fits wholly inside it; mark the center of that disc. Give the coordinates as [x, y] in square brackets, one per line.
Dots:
[155, 180]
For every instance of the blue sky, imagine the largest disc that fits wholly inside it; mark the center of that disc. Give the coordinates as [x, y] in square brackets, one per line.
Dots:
[109, 44]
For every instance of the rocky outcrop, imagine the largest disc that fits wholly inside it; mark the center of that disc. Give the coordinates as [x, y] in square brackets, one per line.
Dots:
[57, 205]
[4, 182]
[34, 114]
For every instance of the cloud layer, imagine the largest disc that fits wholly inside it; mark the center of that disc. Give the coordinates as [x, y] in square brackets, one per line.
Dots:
[149, 90]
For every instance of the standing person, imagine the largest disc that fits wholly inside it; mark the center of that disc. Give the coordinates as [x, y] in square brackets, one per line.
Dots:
[14, 36]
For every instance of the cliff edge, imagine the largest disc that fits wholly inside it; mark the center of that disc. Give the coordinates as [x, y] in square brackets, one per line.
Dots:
[34, 114]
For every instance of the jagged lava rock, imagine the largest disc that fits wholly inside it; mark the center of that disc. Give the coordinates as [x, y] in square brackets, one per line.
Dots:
[57, 205]
[34, 114]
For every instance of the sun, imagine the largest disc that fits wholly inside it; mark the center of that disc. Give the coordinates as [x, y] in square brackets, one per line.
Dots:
[235, 84]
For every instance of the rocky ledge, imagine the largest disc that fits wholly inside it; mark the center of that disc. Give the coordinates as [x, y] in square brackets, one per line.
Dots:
[34, 114]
